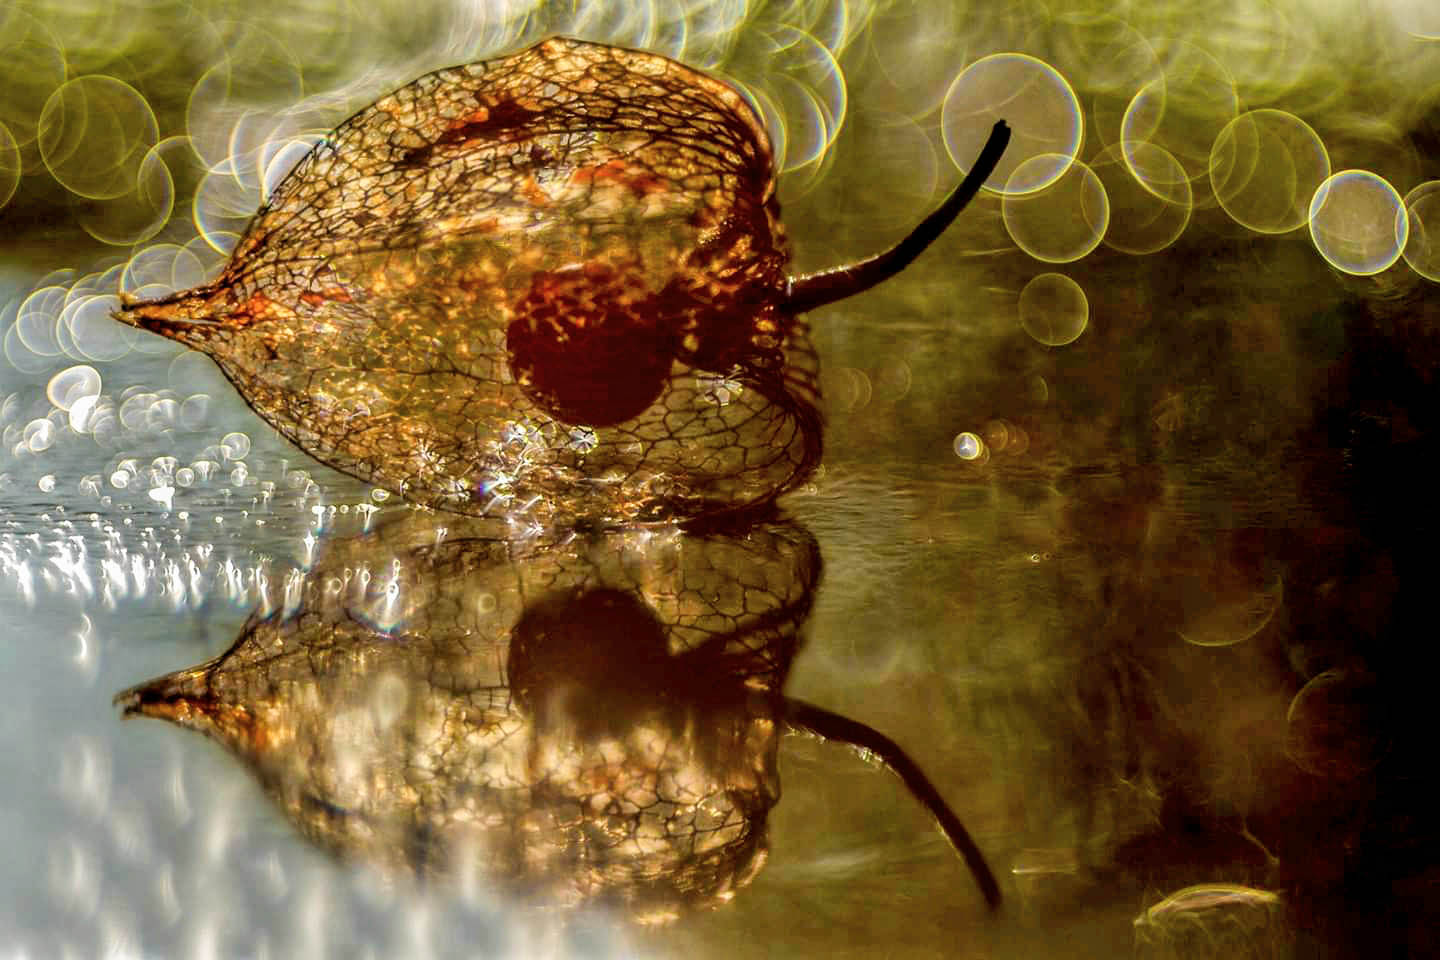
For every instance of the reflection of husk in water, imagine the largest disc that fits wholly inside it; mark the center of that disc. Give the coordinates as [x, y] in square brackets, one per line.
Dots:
[589, 721]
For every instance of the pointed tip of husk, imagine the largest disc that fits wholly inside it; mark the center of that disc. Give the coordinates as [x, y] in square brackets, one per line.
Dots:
[182, 316]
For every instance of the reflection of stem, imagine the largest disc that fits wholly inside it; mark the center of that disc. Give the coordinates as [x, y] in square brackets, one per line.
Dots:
[806, 718]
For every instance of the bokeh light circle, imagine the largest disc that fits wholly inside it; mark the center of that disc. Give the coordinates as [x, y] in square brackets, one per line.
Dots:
[37, 318]
[1143, 221]
[94, 135]
[772, 118]
[9, 165]
[32, 65]
[235, 446]
[149, 266]
[1054, 309]
[968, 446]
[73, 384]
[222, 207]
[1099, 54]
[1358, 222]
[803, 120]
[20, 356]
[796, 85]
[257, 72]
[1265, 166]
[1064, 221]
[812, 64]
[1332, 728]
[282, 159]
[1029, 95]
[196, 263]
[902, 49]
[893, 169]
[39, 434]
[82, 412]
[1182, 112]
[97, 335]
[135, 216]
[1422, 247]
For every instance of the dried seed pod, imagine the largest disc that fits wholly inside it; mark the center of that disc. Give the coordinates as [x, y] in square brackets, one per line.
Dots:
[548, 287]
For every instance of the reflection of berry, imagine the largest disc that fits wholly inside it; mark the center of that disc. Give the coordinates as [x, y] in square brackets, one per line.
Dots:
[588, 345]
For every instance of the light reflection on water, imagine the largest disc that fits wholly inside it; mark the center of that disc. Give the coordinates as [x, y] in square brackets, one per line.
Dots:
[1142, 631]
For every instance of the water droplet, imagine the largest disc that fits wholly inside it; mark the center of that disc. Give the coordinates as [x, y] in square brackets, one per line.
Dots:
[968, 446]
[1358, 222]
[163, 495]
[71, 384]
[39, 434]
[235, 446]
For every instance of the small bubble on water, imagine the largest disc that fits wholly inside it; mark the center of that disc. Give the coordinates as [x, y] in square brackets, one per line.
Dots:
[39, 434]
[162, 415]
[968, 446]
[235, 446]
[47, 483]
[194, 410]
[71, 384]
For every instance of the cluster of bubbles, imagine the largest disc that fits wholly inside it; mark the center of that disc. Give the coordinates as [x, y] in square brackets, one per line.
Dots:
[170, 511]
[173, 174]
[1164, 134]
[997, 436]
[1122, 137]
[102, 563]
[102, 554]
[1182, 143]
[138, 165]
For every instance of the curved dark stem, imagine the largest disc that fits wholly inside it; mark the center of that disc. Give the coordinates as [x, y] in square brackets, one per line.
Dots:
[807, 718]
[817, 289]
